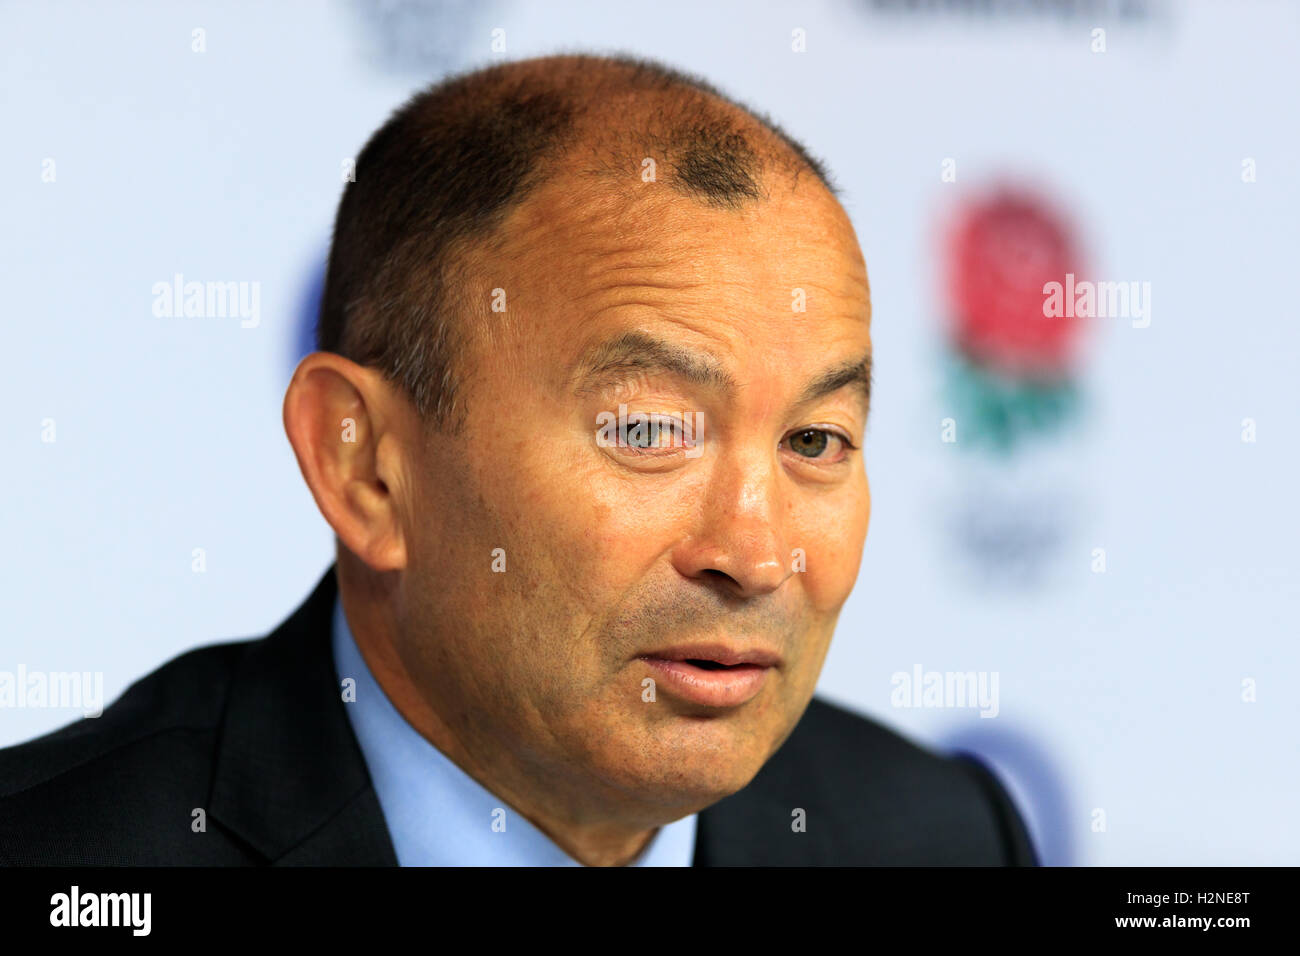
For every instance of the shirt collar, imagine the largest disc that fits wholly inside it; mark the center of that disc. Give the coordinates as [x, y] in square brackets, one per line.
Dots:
[437, 814]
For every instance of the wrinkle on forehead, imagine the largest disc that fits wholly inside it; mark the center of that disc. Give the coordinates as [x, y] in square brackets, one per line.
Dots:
[578, 252]
[646, 229]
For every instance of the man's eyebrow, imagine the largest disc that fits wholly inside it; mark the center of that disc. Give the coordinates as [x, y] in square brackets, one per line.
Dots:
[856, 373]
[635, 351]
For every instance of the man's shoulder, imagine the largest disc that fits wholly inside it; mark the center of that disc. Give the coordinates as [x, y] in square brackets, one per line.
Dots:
[107, 785]
[234, 753]
[845, 789]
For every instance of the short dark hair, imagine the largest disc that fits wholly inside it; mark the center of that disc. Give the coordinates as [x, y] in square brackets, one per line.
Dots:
[448, 166]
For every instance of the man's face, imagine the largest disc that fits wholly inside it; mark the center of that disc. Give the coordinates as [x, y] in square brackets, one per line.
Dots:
[622, 561]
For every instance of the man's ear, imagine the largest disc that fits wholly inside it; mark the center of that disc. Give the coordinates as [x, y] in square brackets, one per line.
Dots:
[344, 423]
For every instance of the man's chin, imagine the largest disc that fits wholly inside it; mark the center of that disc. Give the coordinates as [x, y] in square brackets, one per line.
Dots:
[690, 764]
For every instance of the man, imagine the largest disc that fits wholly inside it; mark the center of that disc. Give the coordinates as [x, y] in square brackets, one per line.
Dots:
[587, 422]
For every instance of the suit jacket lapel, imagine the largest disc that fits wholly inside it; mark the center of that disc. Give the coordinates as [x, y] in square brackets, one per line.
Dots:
[290, 778]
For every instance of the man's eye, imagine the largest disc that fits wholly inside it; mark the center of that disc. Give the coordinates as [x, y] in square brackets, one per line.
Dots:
[655, 434]
[819, 444]
[810, 443]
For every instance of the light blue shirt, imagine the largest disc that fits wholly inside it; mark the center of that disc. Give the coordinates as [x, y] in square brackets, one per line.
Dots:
[437, 814]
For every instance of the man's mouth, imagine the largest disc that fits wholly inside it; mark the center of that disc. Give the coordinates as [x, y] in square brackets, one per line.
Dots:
[712, 675]
[711, 665]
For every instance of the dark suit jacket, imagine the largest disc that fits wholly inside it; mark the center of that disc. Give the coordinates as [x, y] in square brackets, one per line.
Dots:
[254, 733]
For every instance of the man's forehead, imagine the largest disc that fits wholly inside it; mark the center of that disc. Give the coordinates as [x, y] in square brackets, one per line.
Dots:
[585, 226]
[584, 262]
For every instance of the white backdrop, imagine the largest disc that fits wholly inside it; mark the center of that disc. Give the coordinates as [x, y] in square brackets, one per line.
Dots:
[1119, 692]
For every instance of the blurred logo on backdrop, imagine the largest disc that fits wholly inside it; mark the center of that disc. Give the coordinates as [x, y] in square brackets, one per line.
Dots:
[424, 40]
[1011, 382]
[308, 311]
[1012, 366]
[428, 37]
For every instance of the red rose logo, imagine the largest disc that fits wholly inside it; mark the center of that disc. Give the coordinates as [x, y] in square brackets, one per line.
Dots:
[1002, 251]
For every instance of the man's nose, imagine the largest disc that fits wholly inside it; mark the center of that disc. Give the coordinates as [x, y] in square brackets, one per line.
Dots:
[739, 537]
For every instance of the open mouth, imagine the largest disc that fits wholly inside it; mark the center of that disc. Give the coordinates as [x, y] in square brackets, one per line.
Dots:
[703, 681]
[710, 665]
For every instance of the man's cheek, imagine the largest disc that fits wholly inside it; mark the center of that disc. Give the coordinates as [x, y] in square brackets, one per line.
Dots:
[827, 568]
[630, 514]
[827, 542]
